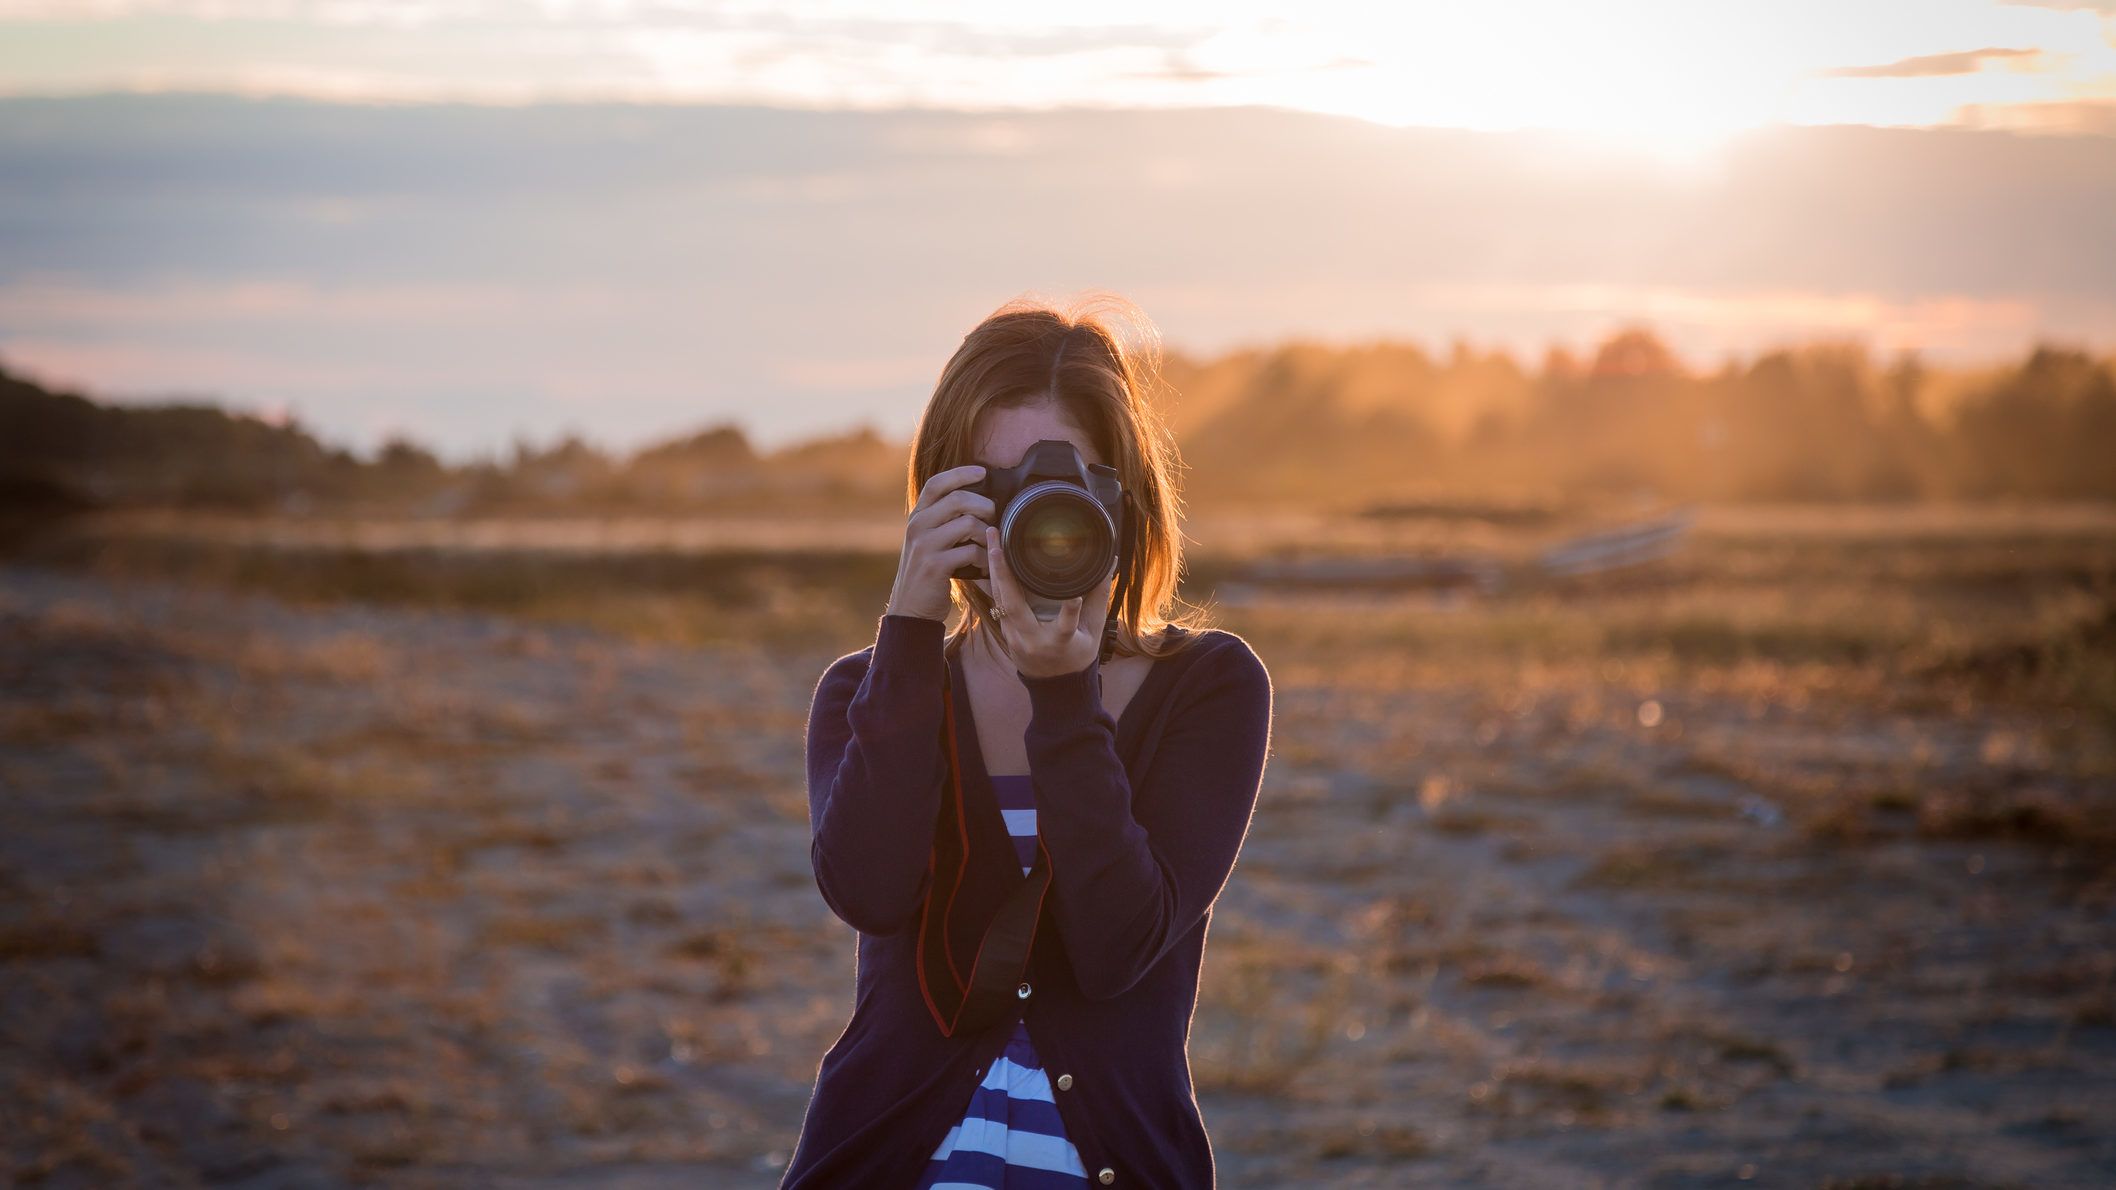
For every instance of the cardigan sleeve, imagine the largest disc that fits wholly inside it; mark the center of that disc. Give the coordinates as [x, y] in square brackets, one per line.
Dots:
[1131, 875]
[875, 770]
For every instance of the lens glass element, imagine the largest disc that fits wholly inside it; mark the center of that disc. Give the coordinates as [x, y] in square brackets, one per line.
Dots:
[1059, 541]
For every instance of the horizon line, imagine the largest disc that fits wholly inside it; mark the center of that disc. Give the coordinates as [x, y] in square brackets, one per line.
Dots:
[644, 101]
[276, 414]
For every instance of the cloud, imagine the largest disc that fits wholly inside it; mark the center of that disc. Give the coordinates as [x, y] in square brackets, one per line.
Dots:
[661, 266]
[2102, 6]
[1177, 67]
[1931, 65]
[2081, 117]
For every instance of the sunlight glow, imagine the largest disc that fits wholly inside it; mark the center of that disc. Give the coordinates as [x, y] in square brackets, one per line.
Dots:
[1661, 74]
[1677, 77]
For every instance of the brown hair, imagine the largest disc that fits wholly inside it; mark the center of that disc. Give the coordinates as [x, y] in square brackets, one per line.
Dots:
[1030, 351]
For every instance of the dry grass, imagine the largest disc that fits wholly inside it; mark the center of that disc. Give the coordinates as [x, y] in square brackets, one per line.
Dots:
[1267, 1016]
[1595, 885]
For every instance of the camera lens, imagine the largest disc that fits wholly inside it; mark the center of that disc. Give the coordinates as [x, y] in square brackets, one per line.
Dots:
[1059, 540]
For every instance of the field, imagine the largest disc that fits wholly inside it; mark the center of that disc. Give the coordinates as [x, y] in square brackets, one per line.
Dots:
[445, 856]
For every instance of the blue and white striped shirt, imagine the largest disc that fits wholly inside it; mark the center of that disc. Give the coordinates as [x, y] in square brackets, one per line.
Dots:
[1010, 1138]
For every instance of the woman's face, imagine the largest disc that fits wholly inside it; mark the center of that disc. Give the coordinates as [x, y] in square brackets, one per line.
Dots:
[1004, 435]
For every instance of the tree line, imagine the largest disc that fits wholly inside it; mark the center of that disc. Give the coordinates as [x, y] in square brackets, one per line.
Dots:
[1305, 423]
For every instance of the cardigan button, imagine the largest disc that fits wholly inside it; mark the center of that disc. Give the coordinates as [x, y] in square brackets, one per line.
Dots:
[1107, 1175]
[1065, 1082]
[1023, 991]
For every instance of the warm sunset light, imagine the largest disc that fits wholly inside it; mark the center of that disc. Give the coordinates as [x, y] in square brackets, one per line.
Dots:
[1683, 73]
[1660, 71]
[801, 594]
[1513, 175]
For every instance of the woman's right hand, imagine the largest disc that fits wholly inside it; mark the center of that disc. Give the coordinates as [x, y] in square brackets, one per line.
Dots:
[946, 531]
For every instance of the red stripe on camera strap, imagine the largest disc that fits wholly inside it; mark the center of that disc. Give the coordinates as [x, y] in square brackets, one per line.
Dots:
[987, 995]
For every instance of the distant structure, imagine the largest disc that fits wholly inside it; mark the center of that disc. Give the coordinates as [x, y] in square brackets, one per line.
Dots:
[1641, 545]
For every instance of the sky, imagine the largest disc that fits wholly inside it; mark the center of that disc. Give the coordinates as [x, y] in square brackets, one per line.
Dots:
[1612, 67]
[481, 220]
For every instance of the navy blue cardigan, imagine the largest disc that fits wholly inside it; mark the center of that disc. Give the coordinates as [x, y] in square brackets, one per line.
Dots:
[1142, 819]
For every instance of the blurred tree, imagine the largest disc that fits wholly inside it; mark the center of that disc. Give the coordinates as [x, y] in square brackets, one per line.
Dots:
[1304, 422]
[2047, 430]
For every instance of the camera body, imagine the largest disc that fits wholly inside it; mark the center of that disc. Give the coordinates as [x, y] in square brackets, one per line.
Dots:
[1060, 520]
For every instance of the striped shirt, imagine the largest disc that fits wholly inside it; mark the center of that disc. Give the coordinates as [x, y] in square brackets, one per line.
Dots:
[1010, 1137]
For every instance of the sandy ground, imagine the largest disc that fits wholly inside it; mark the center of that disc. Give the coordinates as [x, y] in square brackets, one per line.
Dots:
[295, 896]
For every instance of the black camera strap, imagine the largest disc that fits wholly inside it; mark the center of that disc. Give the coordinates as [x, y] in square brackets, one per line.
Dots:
[1127, 594]
[986, 994]
[983, 996]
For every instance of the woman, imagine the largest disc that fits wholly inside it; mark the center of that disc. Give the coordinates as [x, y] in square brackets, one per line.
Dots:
[1001, 806]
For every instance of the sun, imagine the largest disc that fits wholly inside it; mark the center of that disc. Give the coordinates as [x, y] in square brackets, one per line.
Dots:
[1653, 77]
[1674, 80]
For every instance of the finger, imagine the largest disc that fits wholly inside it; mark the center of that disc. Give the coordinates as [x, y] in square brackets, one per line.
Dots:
[954, 558]
[1069, 616]
[964, 500]
[1003, 584]
[955, 503]
[963, 528]
[1097, 609]
[940, 483]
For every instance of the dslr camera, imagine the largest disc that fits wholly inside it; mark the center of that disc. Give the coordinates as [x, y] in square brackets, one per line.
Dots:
[1060, 522]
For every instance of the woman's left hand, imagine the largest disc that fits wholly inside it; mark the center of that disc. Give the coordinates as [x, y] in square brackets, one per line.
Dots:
[1069, 643]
